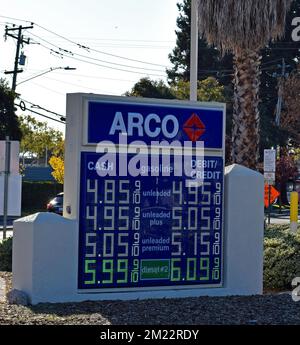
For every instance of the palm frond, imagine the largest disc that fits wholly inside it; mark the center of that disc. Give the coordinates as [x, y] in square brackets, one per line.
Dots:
[236, 25]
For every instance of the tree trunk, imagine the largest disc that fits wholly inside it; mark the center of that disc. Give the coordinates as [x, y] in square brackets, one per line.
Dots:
[283, 192]
[245, 131]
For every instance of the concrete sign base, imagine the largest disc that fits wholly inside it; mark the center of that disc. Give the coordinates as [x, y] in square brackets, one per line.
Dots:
[45, 250]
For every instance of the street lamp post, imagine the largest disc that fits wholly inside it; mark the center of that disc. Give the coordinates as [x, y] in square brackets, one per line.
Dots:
[194, 51]
[47, 71]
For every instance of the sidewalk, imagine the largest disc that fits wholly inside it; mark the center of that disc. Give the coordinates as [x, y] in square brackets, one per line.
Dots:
[278, 217]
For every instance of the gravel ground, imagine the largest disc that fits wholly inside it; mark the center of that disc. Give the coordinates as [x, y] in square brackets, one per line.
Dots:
[269, 309]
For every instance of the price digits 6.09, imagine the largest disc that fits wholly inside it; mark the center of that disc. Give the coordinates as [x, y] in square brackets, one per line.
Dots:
[182, 270]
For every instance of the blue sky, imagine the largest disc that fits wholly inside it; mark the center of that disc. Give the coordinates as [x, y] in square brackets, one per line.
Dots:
[142, 30]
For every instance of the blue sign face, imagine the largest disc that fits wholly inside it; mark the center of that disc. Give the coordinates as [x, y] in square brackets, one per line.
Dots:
[106, 121]
[149, 231]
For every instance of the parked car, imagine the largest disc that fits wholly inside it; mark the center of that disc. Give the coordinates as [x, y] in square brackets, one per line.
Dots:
[56, 204]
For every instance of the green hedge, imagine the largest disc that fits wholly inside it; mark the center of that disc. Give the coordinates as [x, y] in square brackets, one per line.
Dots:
[281, 257]
[6, 255]
[35, 195]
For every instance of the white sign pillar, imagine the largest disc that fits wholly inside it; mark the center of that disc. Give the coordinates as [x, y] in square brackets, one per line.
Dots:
[14, 179]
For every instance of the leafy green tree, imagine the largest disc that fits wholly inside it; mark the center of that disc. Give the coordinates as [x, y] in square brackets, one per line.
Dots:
[9, 125]
[39, 141]
[146, 87]
[209, 89]
[210, 61]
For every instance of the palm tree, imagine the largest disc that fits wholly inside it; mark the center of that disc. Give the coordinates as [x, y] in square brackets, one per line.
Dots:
[243, 27]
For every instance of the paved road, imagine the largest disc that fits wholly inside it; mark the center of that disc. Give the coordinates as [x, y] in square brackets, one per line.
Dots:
[280, 218]
[279, 221]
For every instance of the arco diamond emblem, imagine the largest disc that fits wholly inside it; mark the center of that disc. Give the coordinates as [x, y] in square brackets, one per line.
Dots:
[194, 127]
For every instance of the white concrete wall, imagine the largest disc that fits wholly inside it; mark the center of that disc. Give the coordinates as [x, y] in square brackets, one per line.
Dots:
[45, 250]
[244, 224]
[44, 266]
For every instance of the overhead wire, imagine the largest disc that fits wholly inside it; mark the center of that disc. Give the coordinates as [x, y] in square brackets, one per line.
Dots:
[81, 86]
[47, 88]
[63, 51]
[82, 75]
[86, 76]
[42, 108]
[17, 19]
[83, 46]
[43, 115]
[95, 50]
[101, 65]
[70, 54]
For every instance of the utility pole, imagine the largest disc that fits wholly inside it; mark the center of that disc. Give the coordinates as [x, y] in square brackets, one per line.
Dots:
[20, 41]
[280, 93]
[279, 108]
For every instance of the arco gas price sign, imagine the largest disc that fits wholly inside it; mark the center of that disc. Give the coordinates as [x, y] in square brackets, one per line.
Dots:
[150, 197]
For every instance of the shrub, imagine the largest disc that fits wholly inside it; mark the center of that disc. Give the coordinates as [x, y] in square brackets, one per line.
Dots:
[6, 255]
[281, 257]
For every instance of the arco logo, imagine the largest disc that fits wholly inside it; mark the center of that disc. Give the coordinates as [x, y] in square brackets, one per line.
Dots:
[153, 126]
[194, 127]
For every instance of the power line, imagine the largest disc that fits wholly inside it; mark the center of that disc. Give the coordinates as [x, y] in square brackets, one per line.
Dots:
[283, 48]
[98, 51]
[119, 45]
[100, 65]
[17, 19]
[91, 58]
[85, 46]
[61, 52]
[42, 108]
[47, 117]
[130, 46]
[81, 86]
[87, 76]
[119, 39]
[47, 88]
[270, 62]
[88, 38]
